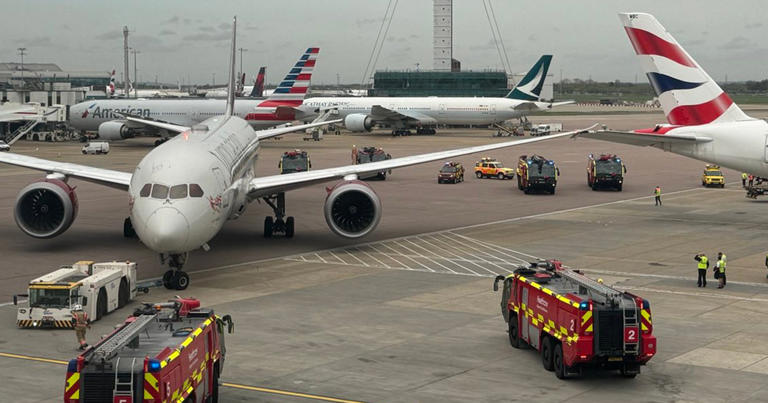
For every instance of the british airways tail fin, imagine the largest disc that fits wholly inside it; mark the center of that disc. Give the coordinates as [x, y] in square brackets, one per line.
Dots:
[688, 95]
[529, 88]
[258, 85]
[292, 90]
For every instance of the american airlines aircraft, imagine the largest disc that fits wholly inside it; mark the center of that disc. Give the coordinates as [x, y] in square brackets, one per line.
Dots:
[704, 123]
[183, 191]
[108, 117]
[362, 113]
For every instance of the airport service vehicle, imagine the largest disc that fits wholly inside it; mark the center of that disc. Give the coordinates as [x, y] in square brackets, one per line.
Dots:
[167, 352]
[96, 147]
[182, 192]
[536, 173]
[4, 146]
[109, 117]
[490, 168]
[361, 114]
[99, 287]
[545, 129]
[712, 176]
[294, 161]
[575, 321]
[703, 122]
[605, 171]
[451, 172]
[371, 154]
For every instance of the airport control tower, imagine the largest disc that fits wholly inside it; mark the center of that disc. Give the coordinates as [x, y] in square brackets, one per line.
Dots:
[443, 35]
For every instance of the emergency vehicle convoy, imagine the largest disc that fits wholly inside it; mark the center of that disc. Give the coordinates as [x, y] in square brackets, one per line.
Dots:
[605, 171]
[167, 352]
[536, 173]
[370, 154]
[575, 321]
[712, 176]
[294, 161]
[451, 172]
[99, 287]
[490, 168]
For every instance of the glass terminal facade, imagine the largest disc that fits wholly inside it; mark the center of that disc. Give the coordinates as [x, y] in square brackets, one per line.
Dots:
[438, 83]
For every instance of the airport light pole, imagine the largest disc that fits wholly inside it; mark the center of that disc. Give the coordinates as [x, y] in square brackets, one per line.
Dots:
[22, 52]
[135, 73]
[241, 59]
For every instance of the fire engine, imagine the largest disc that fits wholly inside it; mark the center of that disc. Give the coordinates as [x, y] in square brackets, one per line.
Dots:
[605, 171]
[575, 321]
[535, 172]
[99, 287]
[294, 161]
[167, 352]
[370, 154]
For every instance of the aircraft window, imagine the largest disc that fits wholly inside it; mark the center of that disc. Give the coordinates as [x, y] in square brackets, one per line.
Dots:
[159, 191]
[179, 192]
[195, 190]
[146, 190]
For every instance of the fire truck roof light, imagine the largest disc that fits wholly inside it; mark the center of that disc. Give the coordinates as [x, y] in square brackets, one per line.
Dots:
[584, 305]
[154, 365]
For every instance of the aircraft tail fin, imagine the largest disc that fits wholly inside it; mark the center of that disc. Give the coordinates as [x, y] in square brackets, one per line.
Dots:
[293, 89]
[111, 86]
[688, 95]
[529, 88]
[232, 77]
[258, 85]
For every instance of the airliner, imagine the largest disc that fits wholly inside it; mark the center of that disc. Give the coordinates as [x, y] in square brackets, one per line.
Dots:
[703, 122]
[360, 114]
[108, 117]
[183, 191]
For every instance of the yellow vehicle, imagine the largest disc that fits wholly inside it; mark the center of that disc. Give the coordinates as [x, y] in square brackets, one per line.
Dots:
[490, 168]
[712, 176]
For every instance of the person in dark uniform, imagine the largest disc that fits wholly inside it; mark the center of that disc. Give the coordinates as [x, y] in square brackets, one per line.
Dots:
[702, 265]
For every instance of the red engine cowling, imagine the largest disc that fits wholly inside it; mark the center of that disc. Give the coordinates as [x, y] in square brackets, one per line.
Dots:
[352, 209]
[46, 208]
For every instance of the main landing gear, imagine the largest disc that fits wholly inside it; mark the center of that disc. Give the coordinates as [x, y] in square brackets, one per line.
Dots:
[279, 224]
[128, 230]
[161, 141]
[175, 278]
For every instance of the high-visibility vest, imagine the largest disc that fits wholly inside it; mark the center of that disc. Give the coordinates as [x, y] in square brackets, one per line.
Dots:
[657, 191]
[721, 264]
[703, 262]
[81, 319]
[743, 175]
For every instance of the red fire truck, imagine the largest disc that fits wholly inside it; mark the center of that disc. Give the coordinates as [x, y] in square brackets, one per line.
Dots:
[575, 321]
[168, 352]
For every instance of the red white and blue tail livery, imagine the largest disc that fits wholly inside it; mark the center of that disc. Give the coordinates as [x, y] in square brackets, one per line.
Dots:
[703, 121]
[292, 90]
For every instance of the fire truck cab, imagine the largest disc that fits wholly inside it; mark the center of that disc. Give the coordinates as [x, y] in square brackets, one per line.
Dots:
[575, 321]
[535, 172]
[294, 161]
[167, 352]
[605, 171]
[371, 154]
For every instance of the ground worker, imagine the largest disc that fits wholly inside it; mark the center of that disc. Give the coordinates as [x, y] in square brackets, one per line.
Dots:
[751, 180]
[743, 179]
[720, 269]
[766, 263]
[657, 193]
[703, 265]
[80, 318]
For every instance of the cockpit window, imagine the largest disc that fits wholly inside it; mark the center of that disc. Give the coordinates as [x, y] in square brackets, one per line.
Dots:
[179, 192]
[195, 190]
[159, 191]
[146, 190]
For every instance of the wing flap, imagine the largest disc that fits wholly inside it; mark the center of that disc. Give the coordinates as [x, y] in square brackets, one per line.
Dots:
[643, 139]
[268, 133]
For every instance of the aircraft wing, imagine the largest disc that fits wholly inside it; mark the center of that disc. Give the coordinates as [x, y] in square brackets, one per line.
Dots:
[268, 133]
[379, 112]
[154, 123]
[268, 185]
[539, 106]
[643, 139]
[108, 177]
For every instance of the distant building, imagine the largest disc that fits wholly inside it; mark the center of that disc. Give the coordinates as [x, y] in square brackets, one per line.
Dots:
[439, 83]
[48, 84]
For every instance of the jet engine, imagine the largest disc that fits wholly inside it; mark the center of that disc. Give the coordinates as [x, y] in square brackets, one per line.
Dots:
[114, 131]
[358, 122]
[46, 208]
[352, 209]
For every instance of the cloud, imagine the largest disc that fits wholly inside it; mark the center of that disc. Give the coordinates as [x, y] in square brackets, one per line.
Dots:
[490, 45]
[110, 35]
[208, 37]
[65, 27]
[171, 20]
[754, 25]
[37, 42]
[367, 21]
[166, 32]
[224, 26]
[738, 43]
[251, 27]
[532, 38]
[206, 29]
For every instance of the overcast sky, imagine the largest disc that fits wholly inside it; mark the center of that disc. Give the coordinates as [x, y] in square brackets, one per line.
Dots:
[190, 38]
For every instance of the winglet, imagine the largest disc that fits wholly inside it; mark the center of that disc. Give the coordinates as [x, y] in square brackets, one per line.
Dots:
[232, 77]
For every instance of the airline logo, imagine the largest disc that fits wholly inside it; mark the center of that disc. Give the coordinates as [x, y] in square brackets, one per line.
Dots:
[529, 88]
[97, 112]
[688, 95]
[292, 90]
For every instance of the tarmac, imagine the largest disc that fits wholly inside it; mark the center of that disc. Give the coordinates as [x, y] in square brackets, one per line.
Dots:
[409, 314]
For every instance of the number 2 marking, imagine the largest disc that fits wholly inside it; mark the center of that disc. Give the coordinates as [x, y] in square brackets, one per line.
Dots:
[631, 335]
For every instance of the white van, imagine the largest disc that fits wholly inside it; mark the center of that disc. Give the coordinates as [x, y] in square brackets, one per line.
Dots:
[96, 147]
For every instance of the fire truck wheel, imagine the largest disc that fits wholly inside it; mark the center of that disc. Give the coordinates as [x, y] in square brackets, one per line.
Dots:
[619, 187]
[479, 175]
[519, 183]
[546, 353]
[514, 334]
[500, 176]
[630, 370]
[167, 277]
[180, 280]
[559, 363]
[552, 190]
[215, 389]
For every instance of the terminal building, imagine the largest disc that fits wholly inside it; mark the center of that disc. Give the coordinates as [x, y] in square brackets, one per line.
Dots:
[439, 83]
[48, 84]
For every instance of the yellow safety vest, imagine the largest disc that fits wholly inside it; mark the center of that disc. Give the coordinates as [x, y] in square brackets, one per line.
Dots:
[722, 265]
[743, 175]
[703, 263]
[657, 191]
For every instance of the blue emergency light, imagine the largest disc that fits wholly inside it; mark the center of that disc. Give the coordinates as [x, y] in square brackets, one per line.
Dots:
[584, 305]
[153, 365]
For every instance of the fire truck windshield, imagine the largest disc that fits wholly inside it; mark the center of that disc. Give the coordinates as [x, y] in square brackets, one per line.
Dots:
[546, 170]
[294, 164]
[714, 173]
[378, 157]
[608, 167]
[49, 298]
[448, 169]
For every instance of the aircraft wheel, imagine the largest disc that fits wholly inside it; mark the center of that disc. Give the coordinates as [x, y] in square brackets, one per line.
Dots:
[268, 226]
[128, 231]
[289, 227]
[167, 278]
[180, 280]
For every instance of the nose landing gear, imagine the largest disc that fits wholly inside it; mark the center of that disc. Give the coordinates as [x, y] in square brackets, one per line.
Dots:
[175, 278]
[278, 224]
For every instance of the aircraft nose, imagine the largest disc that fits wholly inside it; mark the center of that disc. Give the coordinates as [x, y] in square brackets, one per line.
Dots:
[167, 230]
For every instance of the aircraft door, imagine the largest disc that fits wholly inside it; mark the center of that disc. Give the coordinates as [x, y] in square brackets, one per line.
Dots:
[443, 109]
[221, 184]
[493, 109]
[765, 154]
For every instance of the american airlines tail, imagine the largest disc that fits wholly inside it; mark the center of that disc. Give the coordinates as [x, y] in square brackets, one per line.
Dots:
[529, 88]
[294, 87]
[258, 85]
[688, 95]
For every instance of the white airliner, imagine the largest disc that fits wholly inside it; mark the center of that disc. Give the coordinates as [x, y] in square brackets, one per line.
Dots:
[362, 113]
[183, 191]
[107, 117]
[704, 123]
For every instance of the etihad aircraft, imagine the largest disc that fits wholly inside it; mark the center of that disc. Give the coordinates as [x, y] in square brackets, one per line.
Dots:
[362, 113]
[703, 122]
[182, 192]
[108, 117]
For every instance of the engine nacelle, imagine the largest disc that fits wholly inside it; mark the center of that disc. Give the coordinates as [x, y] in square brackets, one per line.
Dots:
[46, 208]
[358, 122]
[114, 131]
[352, 209]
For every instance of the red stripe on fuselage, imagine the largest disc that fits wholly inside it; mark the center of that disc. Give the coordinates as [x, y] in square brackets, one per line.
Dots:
[270, 116]
[646, 43]
[283, 102]
[688, 115]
